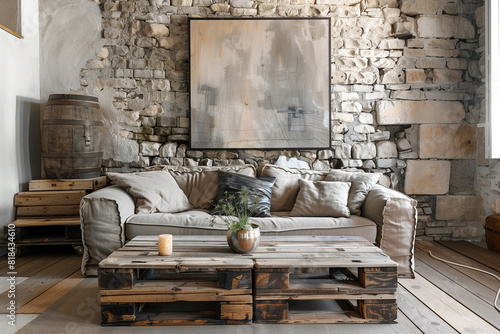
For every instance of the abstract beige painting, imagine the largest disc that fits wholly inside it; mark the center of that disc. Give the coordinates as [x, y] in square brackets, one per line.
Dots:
[260, 83]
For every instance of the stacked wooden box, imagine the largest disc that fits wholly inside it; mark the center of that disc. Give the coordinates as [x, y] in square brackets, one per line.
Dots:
[48, 213]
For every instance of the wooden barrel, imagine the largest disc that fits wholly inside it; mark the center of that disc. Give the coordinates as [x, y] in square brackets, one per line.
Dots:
[72, 137]
[492, 227]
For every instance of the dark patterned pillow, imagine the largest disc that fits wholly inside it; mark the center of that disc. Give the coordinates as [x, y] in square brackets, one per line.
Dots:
[260, 190]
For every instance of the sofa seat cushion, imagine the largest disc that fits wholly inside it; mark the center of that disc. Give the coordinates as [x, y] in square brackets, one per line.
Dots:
[198, 222]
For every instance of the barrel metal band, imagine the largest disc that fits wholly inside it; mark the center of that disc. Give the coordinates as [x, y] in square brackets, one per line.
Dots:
[491, 230]
[73, 155]
[71, 122]
[73, 103]
[72, 170]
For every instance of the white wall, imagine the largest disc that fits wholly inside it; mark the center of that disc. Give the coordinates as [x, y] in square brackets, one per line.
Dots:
[19, 109]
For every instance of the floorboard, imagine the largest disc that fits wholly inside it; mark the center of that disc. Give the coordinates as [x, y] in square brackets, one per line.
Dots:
[420, 315]
[442, 299]
[486, 257]
[470, 300]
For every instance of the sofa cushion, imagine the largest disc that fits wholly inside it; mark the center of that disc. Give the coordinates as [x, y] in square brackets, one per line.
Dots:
[155, 191]
[322, 199]
[361, 185]
[195, 222]
[200, 183]
[286, 187]
[230, 184]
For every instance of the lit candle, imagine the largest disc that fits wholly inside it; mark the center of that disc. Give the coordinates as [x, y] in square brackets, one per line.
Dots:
[165, 244]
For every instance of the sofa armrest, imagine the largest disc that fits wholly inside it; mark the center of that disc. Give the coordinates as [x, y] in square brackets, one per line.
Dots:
[396, 217]
[102, 217]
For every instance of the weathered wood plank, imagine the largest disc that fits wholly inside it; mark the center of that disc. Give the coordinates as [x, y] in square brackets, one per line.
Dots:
[378, 278]
[451, 255]
[453, 287]
[69, 221]
[42, 198]
[386, 310]
[242, 296]
[54, 210]
[419, 314]
[44, 300]
[117, 279]
[68, 184]
[234, 279]
[116, 260]
[43, 278]
[410, 327]
[235, 311]
[271, 279]
[454, 313]
[479, 254]
[270, 310]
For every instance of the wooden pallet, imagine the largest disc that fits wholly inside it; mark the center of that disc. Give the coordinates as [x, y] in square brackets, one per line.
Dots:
[48, 214]
[172, 295]
[352, 280]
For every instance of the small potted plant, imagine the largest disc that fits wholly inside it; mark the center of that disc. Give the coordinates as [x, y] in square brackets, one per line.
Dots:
[234, 210]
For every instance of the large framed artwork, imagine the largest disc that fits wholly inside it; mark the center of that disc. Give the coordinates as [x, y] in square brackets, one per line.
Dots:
[260, 83]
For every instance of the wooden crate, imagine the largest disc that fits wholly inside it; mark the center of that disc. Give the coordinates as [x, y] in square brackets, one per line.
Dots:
[68, 184]
[45, 231]
[143, 289]
[48, 214]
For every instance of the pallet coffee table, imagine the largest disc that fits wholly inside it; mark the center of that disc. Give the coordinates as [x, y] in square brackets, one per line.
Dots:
[294, 279]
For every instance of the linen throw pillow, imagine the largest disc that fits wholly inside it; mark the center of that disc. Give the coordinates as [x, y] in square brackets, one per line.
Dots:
[199, 183]
[260, 190]
[322, 199]
[286, 187]
[154, 191]
[362, 183]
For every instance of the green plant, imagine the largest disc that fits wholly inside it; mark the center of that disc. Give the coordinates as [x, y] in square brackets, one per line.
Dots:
[234, 209]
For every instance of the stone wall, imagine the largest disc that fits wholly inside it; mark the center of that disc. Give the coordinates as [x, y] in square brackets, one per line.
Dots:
[407, 90]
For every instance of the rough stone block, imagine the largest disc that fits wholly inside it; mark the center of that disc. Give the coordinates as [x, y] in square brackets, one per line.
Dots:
[461, 181]
[447, 141]
[403, 144]
[430, 62]
[457, 63]
[419, 112]
[458, 207]
[364, 151]
[415, 76]
[152, 110]
[446, 76]
[429, 177]
[220, 7]
[156, 30]
[386, 149]
[416, 7]
[445, 26]
[150, 148]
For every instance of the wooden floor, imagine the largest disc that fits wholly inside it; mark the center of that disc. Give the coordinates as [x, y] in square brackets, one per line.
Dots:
[441, 299]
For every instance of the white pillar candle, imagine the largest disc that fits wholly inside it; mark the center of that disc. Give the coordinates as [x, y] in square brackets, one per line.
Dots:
[165, 244]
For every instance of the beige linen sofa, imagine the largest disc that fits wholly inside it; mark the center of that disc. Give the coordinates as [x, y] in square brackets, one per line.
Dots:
[177, 200]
